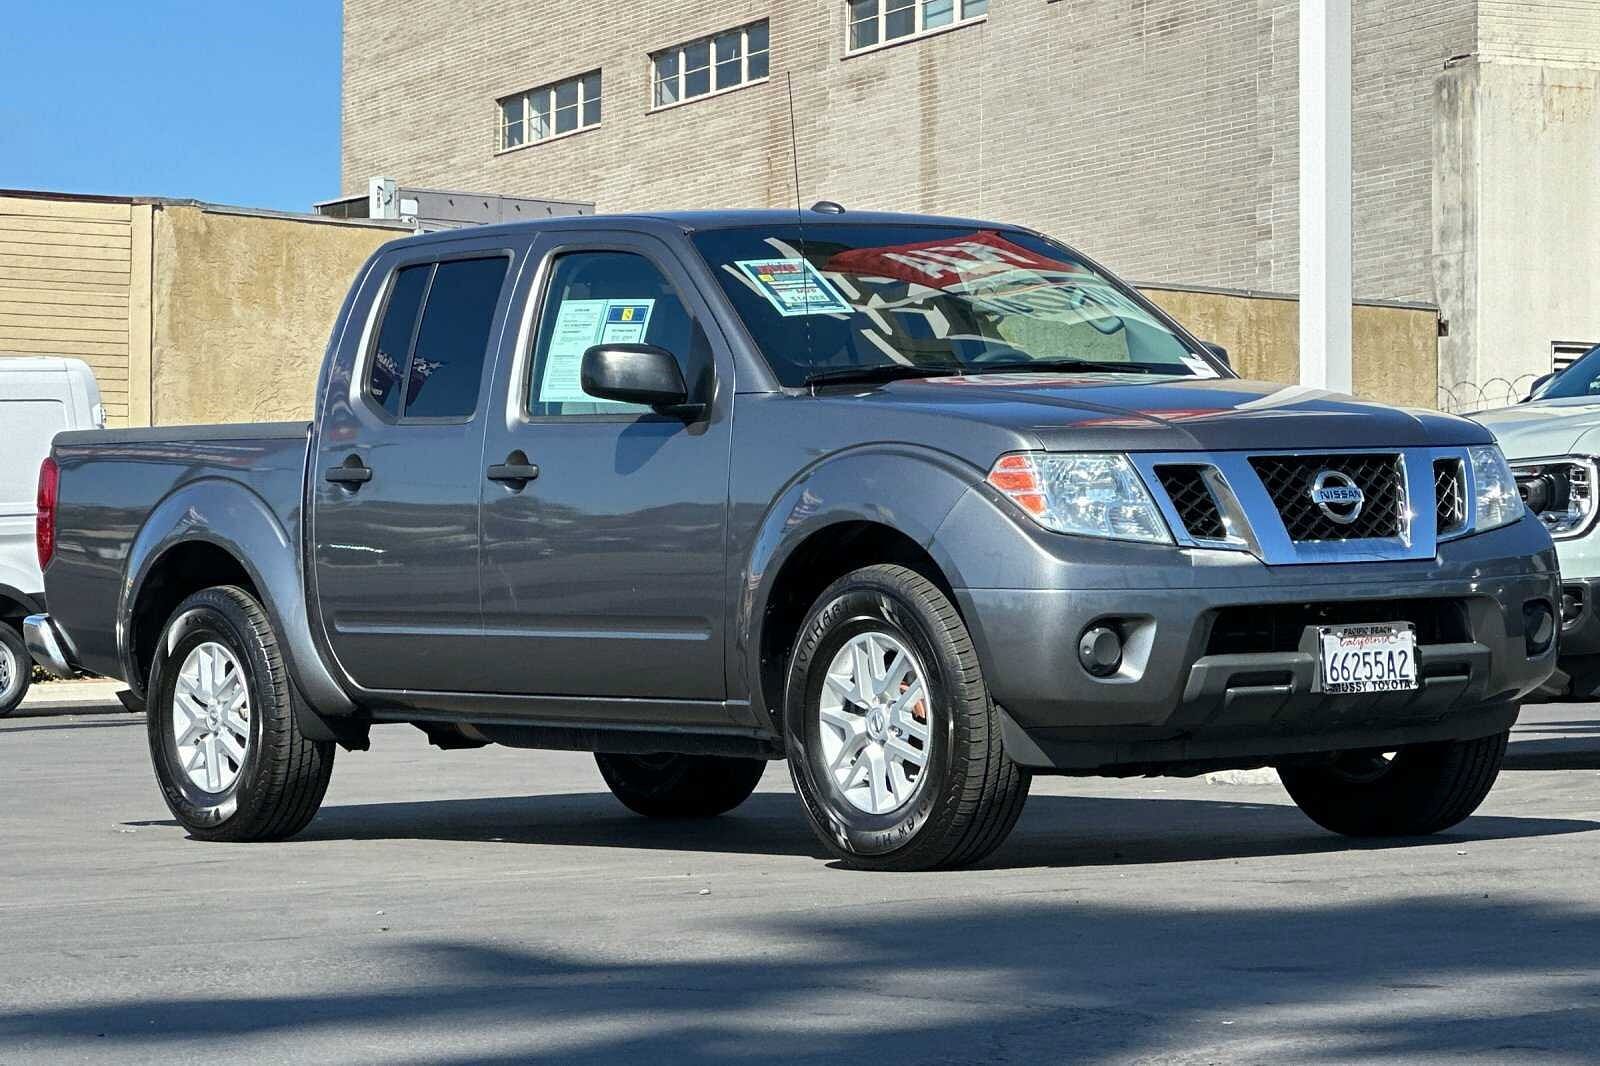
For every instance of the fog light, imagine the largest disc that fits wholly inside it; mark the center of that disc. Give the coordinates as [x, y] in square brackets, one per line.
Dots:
[1100, 650]
[1538, 626]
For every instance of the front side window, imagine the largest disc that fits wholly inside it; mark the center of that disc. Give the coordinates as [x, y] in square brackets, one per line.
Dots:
[874, 22]
[599, 298]
[551, 110]
[848, 300]
[709, 64]
[434, 337]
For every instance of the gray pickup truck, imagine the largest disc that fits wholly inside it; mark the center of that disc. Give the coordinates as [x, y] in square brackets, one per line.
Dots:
[924, 506]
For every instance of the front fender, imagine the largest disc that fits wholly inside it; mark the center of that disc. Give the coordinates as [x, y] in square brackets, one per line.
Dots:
[230, 516]
[907, 489]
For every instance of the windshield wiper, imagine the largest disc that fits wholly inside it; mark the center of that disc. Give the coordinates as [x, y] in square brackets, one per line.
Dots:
[877, 372]
[1092, 366]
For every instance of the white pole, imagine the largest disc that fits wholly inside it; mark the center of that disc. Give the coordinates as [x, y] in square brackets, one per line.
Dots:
[1325, 194]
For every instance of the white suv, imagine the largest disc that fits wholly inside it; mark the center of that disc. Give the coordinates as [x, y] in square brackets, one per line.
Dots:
[39, 397]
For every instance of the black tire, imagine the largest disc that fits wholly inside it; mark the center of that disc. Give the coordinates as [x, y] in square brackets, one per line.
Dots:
[972, 793]
[284, 775]
[1423, 789]
[16, 669]
[680, 786]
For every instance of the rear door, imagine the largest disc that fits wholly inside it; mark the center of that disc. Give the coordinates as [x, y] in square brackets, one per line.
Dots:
[397, 468]
[604, 574]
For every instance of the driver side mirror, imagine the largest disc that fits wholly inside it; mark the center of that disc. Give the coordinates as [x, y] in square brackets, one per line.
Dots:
[637, 373]
[1538, 383]
[1218, 352]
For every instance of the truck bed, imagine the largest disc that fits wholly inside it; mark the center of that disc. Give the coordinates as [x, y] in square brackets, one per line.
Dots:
[113, 480]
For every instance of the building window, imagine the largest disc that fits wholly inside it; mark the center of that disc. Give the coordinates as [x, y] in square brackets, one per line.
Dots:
[709, 65]
[875, 22]
[549, 111]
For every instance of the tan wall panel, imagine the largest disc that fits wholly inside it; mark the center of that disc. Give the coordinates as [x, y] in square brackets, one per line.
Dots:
[1395, 349]
[64, 286]
[34, 207]
[64, 237]
[100, 289]
[81, 227]
[242, 308]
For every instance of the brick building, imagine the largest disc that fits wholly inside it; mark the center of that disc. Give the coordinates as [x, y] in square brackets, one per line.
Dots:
[1158, 135]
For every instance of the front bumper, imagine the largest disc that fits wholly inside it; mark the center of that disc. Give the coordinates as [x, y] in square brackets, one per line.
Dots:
[1192, 688]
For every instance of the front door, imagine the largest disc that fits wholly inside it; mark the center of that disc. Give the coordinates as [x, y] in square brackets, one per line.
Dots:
[396, 472]
[604, 574]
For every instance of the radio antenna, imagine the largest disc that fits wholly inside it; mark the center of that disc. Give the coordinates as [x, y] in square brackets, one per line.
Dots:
[799, 212]
[794, 155]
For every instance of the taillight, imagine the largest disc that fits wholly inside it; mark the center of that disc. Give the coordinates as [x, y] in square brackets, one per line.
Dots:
[45, 524]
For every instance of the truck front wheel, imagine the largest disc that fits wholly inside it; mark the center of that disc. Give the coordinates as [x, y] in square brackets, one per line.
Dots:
[893, 742]
[224, 737]
[680, 786]
[1417, 790]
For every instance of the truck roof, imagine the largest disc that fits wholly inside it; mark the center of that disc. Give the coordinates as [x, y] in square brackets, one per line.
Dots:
[690, 221]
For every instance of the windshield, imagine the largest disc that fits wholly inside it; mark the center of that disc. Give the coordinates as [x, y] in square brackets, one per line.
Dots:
[1582, 378]
[893, 300]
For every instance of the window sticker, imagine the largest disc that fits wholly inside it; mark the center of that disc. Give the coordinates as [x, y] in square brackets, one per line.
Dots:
[794, 287]
[1201, 368]
[580, 325]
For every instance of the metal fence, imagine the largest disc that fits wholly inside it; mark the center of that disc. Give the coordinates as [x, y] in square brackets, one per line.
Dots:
[1466, 397]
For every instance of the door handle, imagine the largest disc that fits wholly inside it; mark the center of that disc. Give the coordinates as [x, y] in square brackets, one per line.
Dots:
[352, 473]
[516, 471]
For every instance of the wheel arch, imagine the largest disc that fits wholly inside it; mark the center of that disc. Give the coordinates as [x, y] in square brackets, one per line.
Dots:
[218, 532]
[877, 505]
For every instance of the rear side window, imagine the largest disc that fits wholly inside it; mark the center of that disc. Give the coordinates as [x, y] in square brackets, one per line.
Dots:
[434, 338]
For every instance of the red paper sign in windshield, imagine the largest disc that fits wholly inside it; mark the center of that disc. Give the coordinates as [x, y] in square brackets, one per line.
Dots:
[947, 262]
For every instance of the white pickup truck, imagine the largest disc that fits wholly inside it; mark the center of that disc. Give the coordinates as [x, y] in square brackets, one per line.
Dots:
[39, 397]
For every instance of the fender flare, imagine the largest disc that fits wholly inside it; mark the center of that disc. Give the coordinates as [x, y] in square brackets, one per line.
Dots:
[906, 488]
[231, 517]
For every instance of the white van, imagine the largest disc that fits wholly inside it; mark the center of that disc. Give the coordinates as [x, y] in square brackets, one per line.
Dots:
[39, 397]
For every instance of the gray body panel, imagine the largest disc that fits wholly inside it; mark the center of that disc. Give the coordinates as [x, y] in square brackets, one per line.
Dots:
[627, 587]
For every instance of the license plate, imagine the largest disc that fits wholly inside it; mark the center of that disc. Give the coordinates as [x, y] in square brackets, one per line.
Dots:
[1376, 657]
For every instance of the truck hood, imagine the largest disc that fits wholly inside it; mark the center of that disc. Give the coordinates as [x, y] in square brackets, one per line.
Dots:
[1549, 427]
[1119, 413]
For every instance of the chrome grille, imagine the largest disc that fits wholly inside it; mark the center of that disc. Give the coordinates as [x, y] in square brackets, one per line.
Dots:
[1191, 498]
[1288, 480]
[1450, 494]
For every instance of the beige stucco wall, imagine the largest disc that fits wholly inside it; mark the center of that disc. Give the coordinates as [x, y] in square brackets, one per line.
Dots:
[1396, 349]
[241, 309]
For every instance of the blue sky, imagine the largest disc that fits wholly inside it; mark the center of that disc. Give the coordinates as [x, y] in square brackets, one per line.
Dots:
[233, 102]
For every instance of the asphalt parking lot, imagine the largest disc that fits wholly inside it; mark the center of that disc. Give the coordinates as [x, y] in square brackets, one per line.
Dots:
[500, 906]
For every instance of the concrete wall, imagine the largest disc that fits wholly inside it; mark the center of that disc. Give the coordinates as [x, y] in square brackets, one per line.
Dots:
[1517, 197]
[1158, 135]
[242, 308]
[1395, 347]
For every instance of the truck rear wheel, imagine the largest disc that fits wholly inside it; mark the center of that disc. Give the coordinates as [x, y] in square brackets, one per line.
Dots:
[894, 744]
[224, 736]
[1411, 792]
[16, 669]
[680, 786]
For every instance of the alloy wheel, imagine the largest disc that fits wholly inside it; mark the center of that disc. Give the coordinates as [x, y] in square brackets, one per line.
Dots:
[874, 719]
[211, 717]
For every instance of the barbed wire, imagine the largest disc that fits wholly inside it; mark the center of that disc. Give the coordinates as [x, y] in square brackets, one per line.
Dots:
[1466, 397]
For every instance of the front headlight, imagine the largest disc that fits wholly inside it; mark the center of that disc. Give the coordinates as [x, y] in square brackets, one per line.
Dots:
[1494, 489]
[1088, 495]
[1559, 492]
